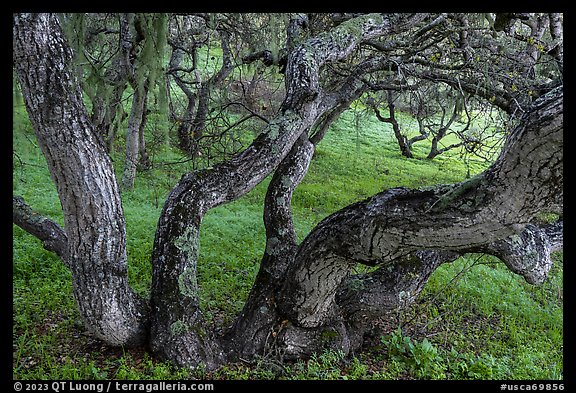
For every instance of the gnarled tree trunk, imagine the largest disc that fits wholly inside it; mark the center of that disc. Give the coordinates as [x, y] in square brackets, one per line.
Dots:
[406, 230]
[177, 329]
[305, 293]
[95, 248]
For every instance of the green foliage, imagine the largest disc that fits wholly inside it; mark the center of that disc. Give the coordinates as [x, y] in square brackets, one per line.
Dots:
[421, 358]
[424, 360]
[320, 366]
[500, 317]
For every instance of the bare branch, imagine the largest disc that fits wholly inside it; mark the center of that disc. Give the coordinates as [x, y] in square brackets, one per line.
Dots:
[50, 233]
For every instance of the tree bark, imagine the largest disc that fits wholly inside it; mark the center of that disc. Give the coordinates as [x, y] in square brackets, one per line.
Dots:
[79, 165]
[390, 227]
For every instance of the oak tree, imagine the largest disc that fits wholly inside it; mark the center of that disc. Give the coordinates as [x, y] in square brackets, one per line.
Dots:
[303, 290]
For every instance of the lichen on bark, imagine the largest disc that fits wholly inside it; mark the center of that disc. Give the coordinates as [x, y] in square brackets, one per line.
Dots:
[178, 328]
[457, 192]
[188, 243]
[187, 283]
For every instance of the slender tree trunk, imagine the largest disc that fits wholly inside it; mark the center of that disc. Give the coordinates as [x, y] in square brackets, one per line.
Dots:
[133, 137]
[84, 177]
[184, 129]
[183, 133]
[109, 123]
[442, 131]
[199, 123]
[104, 112]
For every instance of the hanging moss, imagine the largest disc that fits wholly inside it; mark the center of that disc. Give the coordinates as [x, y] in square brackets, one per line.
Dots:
[149, 67]
[91, 72]
[74, 28]
[278, 23]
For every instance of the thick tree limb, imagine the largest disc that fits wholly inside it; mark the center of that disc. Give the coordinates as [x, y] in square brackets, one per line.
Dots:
[528, 254]
[50, 233]
[365, 297]
[497, 204]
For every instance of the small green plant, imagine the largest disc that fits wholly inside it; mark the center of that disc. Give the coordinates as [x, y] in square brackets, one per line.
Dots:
[320, 366]
[470, 366]
[421, 358]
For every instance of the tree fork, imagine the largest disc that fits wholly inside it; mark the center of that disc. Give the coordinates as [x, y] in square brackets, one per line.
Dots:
[174, 256]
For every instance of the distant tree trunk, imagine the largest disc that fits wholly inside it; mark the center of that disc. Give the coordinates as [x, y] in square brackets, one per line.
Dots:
[193, 120]
[400, 138]
[84, 177]
[133, 137]
[107, 121]
[183, 133]
[442, 131]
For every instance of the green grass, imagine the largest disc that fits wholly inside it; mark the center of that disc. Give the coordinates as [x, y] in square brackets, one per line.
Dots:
[474, 320]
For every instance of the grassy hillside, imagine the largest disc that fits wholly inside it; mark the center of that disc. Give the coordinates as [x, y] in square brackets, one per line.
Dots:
[474, 320]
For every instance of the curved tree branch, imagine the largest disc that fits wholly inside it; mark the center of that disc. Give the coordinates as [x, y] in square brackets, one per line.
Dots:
[364, 297]
[499, 203]
[51, 234]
